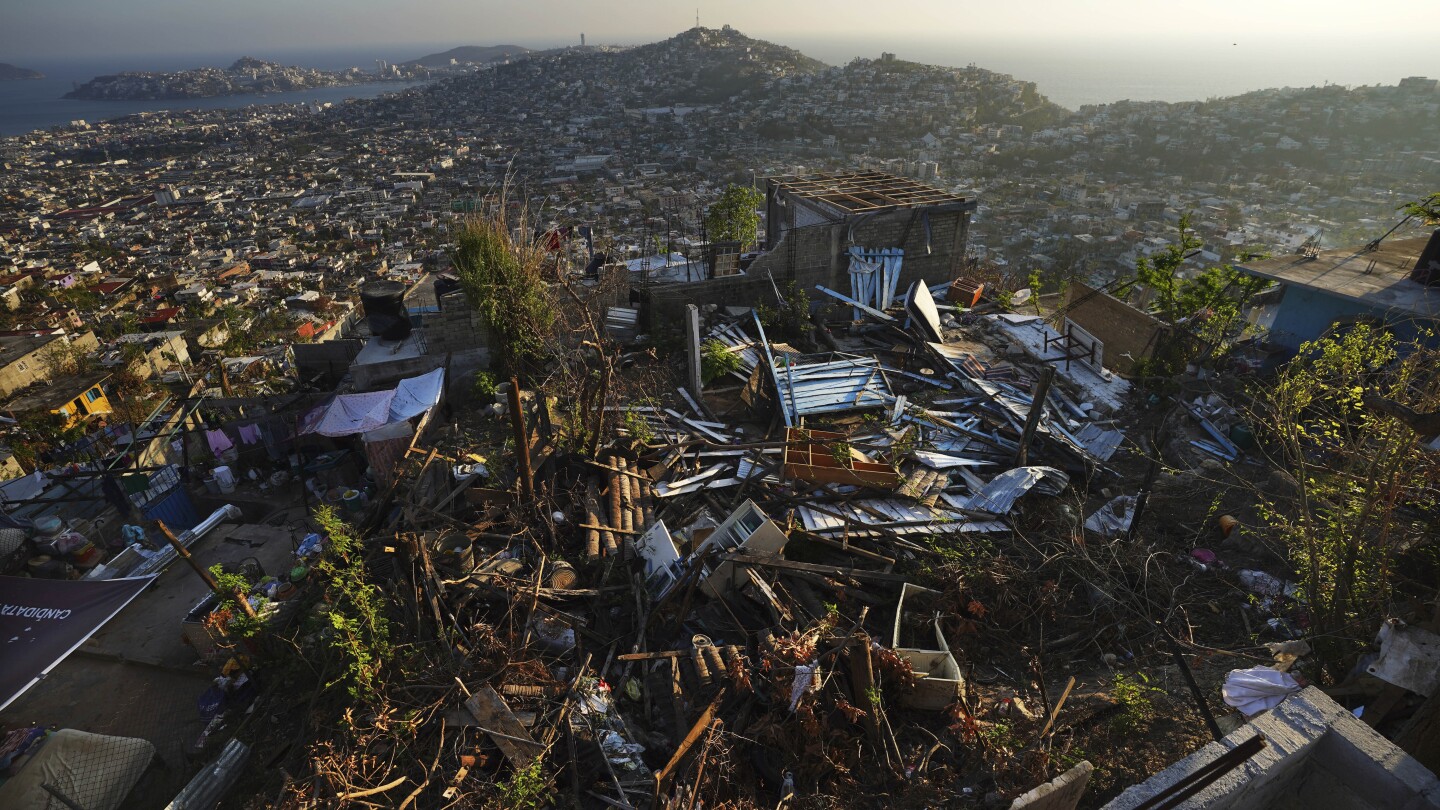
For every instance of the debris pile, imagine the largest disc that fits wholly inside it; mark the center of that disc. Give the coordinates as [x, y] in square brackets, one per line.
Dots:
[879, 567]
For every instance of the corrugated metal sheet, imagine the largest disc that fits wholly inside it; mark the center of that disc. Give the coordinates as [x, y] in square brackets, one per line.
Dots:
[1100, 442]
[874, 276]
[740, 344]
[1000, 495]
[211, 784]
[900, 517]
[175, 509]
[847, 384]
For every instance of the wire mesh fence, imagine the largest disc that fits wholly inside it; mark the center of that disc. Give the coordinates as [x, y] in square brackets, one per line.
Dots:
[100, 733]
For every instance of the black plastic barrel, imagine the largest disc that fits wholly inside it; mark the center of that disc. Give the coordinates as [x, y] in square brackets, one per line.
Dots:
[384, 303]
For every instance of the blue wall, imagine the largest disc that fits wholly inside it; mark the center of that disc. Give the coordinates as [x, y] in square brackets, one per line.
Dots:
[1305, 314]
[175, 509]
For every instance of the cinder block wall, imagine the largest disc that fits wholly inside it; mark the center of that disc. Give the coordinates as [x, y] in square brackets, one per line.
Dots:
[816, 254]
[1317, 754]
[1122, 328]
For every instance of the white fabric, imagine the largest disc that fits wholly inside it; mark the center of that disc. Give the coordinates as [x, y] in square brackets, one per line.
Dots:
[356, 413]
[417, 395]
[349, 414]
[1256, 690]
[394, 430]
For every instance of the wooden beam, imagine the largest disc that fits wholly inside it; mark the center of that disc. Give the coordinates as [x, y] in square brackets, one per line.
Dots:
[662, 780]
[496, 720]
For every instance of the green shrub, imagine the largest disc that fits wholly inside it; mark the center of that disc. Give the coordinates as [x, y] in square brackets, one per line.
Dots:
[716, 360]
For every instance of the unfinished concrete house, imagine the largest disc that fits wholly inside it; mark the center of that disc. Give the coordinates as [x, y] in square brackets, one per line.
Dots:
[865, 235]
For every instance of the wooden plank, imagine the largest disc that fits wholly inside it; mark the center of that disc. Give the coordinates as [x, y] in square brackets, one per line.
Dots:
[662, 780]
[833, 570]
[496, 719]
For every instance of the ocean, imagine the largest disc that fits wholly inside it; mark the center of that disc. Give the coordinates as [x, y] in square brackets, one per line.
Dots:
[29, 105]
[1071, 74]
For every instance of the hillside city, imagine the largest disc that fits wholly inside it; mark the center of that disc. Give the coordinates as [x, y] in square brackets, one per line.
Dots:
[171, 281]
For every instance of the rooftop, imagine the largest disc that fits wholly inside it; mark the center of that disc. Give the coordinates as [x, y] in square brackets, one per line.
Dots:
[864, 192]
[384, 351]
[1379, 278]
[55, 392]
[15, 346]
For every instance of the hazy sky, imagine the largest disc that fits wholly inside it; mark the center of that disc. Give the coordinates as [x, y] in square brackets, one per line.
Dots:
[57, 29]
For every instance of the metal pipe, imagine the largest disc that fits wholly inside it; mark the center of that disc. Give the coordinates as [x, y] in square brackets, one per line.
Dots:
[162, 558]
[227, 512]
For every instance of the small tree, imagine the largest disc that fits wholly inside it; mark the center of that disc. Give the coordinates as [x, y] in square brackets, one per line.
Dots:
[360, 633]
[734, 217]
[1361, 479]
[790, 320]
[716, 360]
[1209, 305]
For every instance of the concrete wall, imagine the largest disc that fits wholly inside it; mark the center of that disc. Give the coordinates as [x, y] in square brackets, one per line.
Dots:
[816, 254]
[1122, 328]
[1061, 793]
[1317, 754]
[23, 371]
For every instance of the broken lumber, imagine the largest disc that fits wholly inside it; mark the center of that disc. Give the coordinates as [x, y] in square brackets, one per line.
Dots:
[496, 720]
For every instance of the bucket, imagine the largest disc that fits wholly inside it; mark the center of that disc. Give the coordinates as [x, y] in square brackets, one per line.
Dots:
[87, 556]
[353, 501]
[225, 479]
[211, 486]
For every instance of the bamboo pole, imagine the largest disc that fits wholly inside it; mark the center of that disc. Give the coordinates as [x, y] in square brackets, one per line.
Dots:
[205, 575]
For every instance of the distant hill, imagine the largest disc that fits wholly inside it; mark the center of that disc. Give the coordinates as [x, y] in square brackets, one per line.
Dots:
[10, 72]
[478, 54]
[698, 66]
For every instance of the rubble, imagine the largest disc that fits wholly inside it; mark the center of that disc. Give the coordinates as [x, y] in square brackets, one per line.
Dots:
[733, 569]
[878, 569]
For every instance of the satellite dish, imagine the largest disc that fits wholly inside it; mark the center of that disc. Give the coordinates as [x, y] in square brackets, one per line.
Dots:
[1020, 296]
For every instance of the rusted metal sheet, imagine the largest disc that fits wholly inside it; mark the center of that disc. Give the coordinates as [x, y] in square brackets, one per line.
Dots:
[810, 456]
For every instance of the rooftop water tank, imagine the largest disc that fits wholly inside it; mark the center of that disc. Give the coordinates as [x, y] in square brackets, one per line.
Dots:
[384, 303]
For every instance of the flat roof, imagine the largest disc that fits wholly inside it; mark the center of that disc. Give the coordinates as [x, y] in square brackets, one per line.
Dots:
[55, 392]
[13, 346]
[1379, 278]
[863, 192]
[384, 351]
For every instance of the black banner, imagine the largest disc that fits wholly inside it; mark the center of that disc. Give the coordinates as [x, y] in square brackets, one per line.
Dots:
[44, 620]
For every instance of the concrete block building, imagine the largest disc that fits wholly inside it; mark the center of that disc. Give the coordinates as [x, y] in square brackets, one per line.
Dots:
[1393, 284]
[811, 222]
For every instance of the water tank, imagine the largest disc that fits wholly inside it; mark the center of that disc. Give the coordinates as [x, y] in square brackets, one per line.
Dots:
[384, 303]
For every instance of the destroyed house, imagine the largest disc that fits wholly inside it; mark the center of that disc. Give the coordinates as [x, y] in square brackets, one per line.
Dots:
[866, 235]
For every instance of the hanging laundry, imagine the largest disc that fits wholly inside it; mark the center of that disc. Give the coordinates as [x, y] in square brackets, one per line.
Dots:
[218, 441]
[249, 434]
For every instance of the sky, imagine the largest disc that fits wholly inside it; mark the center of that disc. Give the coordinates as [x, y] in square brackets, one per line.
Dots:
[61, 29]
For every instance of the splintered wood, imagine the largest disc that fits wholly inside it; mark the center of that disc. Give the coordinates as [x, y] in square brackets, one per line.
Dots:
[495, 719]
